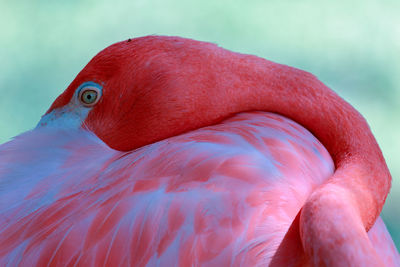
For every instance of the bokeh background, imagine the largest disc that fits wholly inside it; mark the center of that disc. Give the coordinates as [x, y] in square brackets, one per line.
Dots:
[352, 46]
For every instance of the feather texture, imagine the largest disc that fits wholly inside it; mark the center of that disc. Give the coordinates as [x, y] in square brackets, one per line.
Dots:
[223, 195]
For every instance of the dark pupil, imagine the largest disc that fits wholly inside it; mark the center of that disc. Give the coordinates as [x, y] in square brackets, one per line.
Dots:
[89, 97]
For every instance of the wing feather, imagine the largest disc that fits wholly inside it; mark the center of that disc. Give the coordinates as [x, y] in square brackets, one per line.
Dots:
[218, 196]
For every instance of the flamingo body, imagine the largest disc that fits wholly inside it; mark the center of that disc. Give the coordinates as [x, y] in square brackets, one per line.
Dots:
[218, 196]
[170, 168]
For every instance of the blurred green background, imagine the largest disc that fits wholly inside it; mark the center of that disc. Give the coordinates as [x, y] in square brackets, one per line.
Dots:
[352, 46]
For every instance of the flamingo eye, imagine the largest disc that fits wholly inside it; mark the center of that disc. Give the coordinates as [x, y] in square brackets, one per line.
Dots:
[89, 96]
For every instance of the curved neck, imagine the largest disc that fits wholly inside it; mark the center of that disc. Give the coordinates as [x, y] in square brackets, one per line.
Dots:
[182, 85]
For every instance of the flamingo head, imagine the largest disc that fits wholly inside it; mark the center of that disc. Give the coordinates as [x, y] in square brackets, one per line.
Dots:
[139, 91]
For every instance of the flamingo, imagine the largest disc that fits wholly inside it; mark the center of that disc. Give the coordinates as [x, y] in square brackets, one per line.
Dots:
[167, 151]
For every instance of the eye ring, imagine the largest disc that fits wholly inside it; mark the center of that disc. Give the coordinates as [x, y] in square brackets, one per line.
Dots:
[89, 96]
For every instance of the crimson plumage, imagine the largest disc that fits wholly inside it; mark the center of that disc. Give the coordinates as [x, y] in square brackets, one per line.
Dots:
[171, 168]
